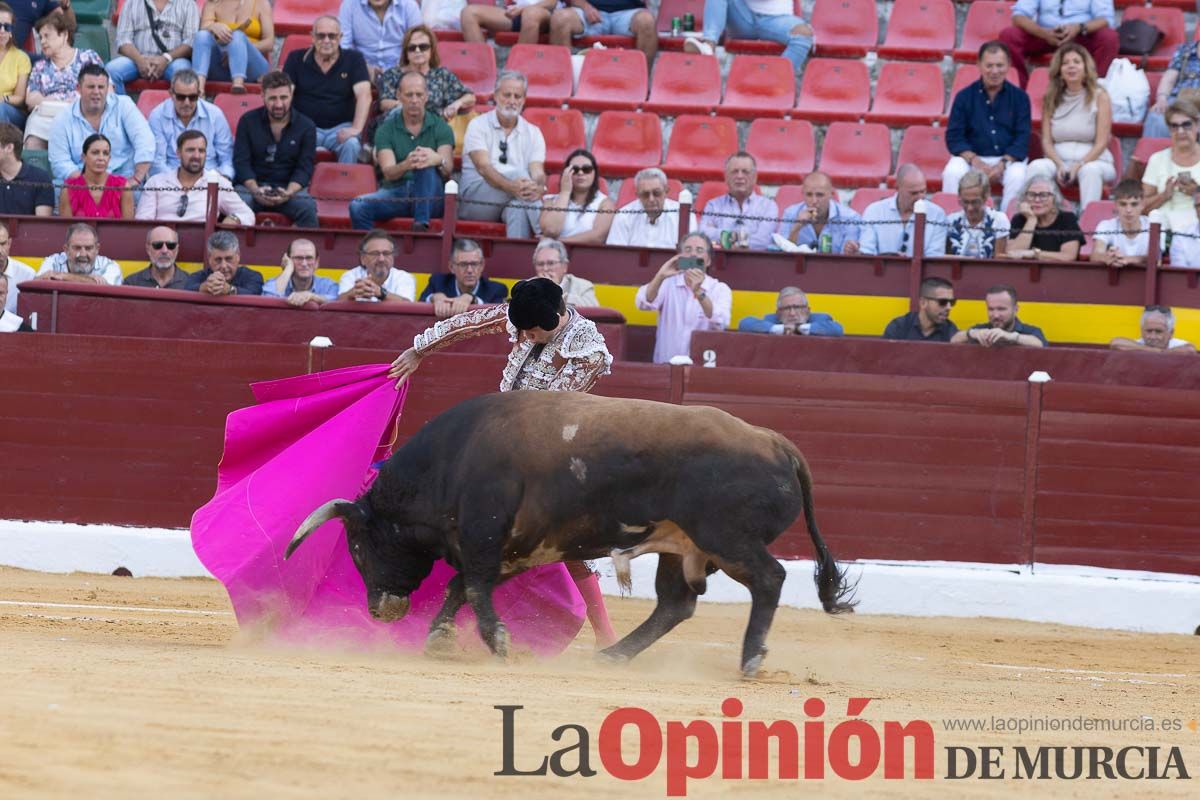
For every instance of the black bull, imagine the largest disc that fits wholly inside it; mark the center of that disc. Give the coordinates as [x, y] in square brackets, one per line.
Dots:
[504, 482]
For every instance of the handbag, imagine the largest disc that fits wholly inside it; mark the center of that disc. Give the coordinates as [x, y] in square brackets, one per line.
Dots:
[1138, 37]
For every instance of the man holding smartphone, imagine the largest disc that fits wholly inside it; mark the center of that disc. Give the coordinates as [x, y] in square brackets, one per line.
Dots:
[686, 298]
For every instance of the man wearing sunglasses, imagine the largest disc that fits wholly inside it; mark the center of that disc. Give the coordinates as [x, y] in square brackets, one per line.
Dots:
[182, 195]
[162, 245]
[187, 110]
[155, 40]
[931, 321]
[333, 89]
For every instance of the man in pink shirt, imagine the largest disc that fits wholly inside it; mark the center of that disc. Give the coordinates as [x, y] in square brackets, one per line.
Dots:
[686, 298]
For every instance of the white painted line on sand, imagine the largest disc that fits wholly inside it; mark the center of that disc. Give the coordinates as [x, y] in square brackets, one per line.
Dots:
[36, 604]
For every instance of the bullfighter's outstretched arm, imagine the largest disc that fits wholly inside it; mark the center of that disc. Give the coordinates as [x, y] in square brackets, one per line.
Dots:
[476, 322]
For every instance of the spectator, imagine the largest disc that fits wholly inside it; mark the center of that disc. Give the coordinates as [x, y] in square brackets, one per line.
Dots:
[527, 18]
[299, 282]
[1181, 78]
[1170, 179]
[162, 246]
[606, 18]
[99, 111]
[96, 193]
[976, 231]
[653, 219]
[1043, 26]
[24, 188]
[274, 153]
[80, 261]
[155, 40]
[234, 43]
[888, 224]
[26, 16]
[415, 153]
[1003, 327]
[989, 127]
[503, 175]
[1158, 335]
[16, 270]
[464, 285]
[376, 29]
[1185, 245]
[686, 298]
[182, 195]
[819, 216]
[448, 97]
[769, 20]
[14, 71]
[550, 261]
[1041, 230]
[931, 321]
[223, 274]
[9, 321]
[749, 218]
[580, 212]
[187, 110]
[1124, 240]
[793, 317]
[333, 89]
[54, 81]
[1076, 125]
[376, 279]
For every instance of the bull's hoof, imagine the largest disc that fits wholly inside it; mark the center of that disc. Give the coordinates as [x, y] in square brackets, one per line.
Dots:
[500, 641]
[610, 656]
[440, 641]
[752, 665]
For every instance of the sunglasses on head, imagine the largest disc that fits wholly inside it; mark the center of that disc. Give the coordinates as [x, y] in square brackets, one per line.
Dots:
[161, 245]
[942, 301]
[420, 47]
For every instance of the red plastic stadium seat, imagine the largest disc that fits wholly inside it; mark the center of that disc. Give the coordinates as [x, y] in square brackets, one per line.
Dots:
[856, 155]
[625, 142]
[920, 29]
[563, 131]
[472, 229]
[548, 70]
[474, 63]
[272, 219]
[615, 80]
[864, 197]
[985, 20]
[1039, 81]
[684, 83]
[948, 201]
[1168, 20]
[907, 93]
[139, 85]
[757, 47]
[296, 16]
[845, 27]
[784, 149]
[788, 196]
[297, 41]
[628, 191]
[1148, 146]
[834, 89]
[677, 8]
[233, 106]
[710, 190]
[759, 86]
[699, 147]
[924, 146]
[1093, 215]
[335, 185]
[149, 99]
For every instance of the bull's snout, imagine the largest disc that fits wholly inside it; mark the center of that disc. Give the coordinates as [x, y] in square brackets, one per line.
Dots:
[390, 607]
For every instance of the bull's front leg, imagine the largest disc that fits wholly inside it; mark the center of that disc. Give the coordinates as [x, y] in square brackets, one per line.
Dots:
[440, 640]
[491, 629]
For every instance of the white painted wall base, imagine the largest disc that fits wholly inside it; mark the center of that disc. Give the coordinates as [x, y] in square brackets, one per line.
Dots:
[1087, 596]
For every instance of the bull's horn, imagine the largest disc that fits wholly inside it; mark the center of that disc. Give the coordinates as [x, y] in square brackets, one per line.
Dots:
[315, 520]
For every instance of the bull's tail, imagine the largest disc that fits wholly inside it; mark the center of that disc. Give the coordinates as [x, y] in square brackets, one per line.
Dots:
[836, 593]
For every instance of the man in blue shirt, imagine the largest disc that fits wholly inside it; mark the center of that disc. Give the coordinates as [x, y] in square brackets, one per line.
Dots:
[98, 111]
[989, 127]
[888, 225]
[792, 316]
[187, 110]
[606, 18]
[299, 282]
[376, 29]
[820, 215]
[1043, 26]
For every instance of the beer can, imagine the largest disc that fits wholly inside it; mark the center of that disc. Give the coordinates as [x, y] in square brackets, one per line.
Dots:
[826, 245]
[689, 21]
[676, 26]
[726, 240]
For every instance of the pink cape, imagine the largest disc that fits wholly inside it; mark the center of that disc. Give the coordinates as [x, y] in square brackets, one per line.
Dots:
[311, 439]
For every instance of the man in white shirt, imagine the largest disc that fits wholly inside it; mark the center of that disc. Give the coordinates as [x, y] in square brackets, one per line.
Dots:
[182, 195]
[9, 321]
[550, 261]
[1124, 240]
[653, 219]
[15, 270]
[888, 224]
[1158, 335]
[376, 280]
[80, 261]
[504, 155]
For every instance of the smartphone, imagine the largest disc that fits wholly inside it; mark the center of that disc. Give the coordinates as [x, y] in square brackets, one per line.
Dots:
[690, 262]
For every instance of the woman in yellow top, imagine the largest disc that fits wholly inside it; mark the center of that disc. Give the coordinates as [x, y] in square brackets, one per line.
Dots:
[235, 40]
[14, 72]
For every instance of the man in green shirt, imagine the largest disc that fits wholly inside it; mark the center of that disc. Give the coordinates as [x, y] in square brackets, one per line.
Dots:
[415, 152]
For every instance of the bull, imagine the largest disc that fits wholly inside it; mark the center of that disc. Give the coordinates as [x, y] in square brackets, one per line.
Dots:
[504, 482]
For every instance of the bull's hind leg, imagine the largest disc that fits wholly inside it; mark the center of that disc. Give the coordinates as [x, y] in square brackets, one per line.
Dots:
[441, 631]
[757, 570]
[676, 602]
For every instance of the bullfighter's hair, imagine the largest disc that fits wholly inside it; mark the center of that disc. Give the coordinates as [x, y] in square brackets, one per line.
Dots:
[536, 303]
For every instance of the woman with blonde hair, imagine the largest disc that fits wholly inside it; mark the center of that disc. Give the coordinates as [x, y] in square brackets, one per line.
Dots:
[448, 96]
[1076, 126]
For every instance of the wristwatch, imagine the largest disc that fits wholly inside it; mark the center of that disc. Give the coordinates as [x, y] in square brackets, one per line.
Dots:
[701, 294]
[382, 294]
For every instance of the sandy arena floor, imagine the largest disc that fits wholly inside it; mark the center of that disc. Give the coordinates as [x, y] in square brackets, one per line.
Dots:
[118, 687]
